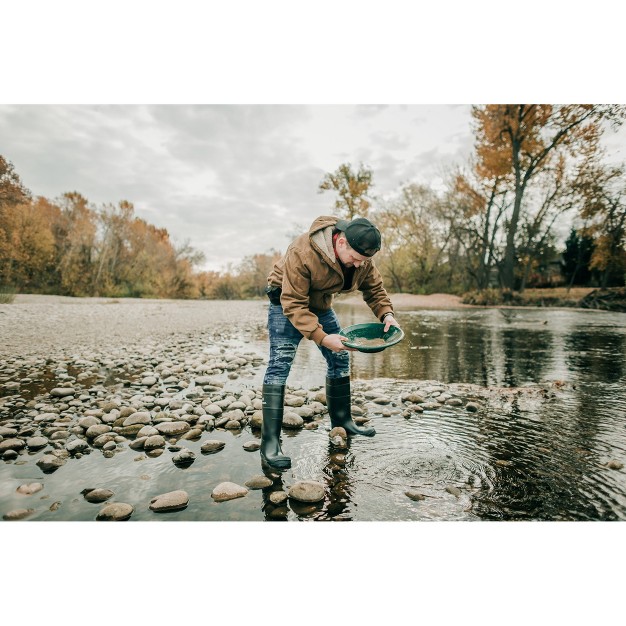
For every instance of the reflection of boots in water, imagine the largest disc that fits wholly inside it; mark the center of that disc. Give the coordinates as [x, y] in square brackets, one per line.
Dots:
[271, 453]
[337, 477]
[338, 399]
[274, 498]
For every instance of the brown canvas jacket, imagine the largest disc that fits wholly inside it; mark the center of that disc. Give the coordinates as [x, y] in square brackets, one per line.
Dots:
[310, 275]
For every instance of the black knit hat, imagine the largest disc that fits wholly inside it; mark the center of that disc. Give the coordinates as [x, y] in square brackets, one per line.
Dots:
[361, 234]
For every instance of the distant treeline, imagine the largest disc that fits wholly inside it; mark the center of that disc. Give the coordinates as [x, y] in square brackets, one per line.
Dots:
[536, 171]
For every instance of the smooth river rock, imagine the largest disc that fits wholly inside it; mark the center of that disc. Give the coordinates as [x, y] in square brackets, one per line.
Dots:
[171, 501]
[36, 443]
[61, 392]
[17, 514]
[258, 482]
[172, 428]
[98, 495]
[211, 446]
[228, 491]
[307, 491]
[115, 512]
[29, 488]
[49, 463]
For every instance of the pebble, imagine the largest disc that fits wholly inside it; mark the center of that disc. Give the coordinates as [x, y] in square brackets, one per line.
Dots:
[29, 488]
[184, 457]
[228, 491]
[141, 417]
[115, 512]
[76, 445]
[36, 443]
[97, 495]
[154, 442]
[455, 491]
[11, 444]
[171, 501]
[211, 446]
[292, 420]
[616, 465]
[61, 392]
[173, 428]
[278, 497]
[258, 482]
[472, 407]
[49, 463]
[251, 446]
[17, 514]
[414, 495]
[307, 491]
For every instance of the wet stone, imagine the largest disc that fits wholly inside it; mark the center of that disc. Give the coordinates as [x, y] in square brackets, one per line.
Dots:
[76, 445]
[115, 512]
[228, 491]
[258, 482]
[12, 444]
[97, 430]
[29, 489]
[173, 428]
[307, 491]
[184, 457]
[251, 446]
[292, 420]
[414, 495]
[62, 392]
[211, 446]
[49, 463]
[472, 407]
[171, 501]
[17, 514]
[141, 417]
[153, 443]
[278, 497]
[97, 495]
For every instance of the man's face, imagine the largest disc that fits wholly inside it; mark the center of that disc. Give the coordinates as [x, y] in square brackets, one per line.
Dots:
[348, 256]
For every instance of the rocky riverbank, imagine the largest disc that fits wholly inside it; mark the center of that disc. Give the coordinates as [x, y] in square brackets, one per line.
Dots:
[171, 381]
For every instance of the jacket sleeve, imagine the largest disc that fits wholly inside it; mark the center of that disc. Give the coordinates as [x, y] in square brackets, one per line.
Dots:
[374, 293]
[295, 297]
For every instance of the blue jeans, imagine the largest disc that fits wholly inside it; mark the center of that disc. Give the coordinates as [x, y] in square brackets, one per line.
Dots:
[284, 341]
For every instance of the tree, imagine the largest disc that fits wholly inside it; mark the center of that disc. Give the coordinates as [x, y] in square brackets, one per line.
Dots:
[416, 236]
[603, 192]
[518, 142]
[577, 258]
[13, 198]
[476, 207]
[12, 190]
[352, 189]
[76, 238]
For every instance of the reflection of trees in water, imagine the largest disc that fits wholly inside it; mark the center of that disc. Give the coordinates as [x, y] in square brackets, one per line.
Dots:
[544, 464]
[598, 354]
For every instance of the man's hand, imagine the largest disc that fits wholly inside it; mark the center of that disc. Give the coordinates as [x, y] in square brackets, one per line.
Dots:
[335, 343]
[389, 321]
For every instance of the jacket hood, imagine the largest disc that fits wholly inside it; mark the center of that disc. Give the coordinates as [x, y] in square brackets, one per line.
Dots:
[321, 236]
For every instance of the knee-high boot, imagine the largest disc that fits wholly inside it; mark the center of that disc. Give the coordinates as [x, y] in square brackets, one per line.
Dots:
[273, 409]
[338, 400]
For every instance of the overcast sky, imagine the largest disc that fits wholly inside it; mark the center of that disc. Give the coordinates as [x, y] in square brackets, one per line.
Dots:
[232, 179]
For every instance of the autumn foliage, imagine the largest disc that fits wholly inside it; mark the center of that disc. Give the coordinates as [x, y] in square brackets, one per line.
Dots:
[498, 221]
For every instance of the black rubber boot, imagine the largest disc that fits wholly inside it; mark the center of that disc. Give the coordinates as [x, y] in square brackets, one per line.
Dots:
[338, 401]
[273, 409]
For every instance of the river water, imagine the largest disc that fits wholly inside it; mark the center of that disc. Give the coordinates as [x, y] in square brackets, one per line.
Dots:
[540, 454]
